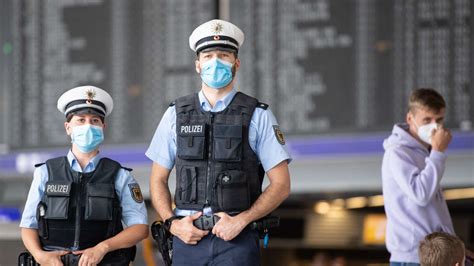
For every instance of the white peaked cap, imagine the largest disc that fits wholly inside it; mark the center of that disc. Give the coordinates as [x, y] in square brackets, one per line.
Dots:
[86, 99]
[216, 33]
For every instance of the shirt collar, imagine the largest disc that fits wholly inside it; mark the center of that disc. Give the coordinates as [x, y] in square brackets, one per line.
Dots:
[220, 104]
[89, 167]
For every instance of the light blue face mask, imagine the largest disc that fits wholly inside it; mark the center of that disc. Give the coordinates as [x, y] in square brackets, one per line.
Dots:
[216, 73]
[87, 137]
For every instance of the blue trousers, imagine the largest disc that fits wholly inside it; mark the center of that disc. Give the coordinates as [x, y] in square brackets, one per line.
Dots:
[394, 263]
[211, 250]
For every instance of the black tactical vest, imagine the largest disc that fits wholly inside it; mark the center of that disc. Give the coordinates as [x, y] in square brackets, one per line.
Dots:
[215, 165]
[81, 209]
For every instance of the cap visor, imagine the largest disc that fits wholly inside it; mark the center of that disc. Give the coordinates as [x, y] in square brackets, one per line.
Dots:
[219, 48]
[90, 111]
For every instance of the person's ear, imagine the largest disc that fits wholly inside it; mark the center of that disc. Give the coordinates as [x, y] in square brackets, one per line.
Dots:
[68, 128]
[237, 64]
[198, 66]
[409, 118]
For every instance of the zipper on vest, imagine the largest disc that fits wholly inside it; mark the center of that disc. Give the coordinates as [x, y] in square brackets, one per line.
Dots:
[209, 157]
[77, 227]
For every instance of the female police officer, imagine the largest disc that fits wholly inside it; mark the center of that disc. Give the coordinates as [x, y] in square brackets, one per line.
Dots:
[221, 141]
[77, 203]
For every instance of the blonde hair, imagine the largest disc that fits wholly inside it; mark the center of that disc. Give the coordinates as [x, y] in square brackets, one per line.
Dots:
[441, 249]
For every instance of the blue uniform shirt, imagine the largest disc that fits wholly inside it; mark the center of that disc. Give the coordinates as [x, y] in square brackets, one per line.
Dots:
[132, 211]
[262, 138]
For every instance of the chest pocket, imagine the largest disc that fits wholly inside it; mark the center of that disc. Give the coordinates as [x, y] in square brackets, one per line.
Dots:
[57, 203]
[99, 206]
[227, 143]
[232, 191]
[191, 141]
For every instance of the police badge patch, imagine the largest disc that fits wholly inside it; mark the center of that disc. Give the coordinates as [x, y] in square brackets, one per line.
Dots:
[136, 192]
[279, 134]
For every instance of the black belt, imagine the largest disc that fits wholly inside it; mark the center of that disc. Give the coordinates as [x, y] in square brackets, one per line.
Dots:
[207, 222]
[70, 259]
[26, 259]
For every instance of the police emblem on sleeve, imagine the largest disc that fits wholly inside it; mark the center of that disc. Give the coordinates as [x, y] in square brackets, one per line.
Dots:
[136, 192]
[279, 135]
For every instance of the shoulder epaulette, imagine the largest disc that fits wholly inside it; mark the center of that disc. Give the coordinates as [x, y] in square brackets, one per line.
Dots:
[264, 106]
[126, 168]
[39, 164]
[173, 103]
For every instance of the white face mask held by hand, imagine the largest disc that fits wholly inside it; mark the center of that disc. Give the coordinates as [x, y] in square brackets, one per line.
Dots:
[425, 132]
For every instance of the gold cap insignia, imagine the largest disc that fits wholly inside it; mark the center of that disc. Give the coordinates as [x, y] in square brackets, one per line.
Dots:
[216, 28]
[90, 94]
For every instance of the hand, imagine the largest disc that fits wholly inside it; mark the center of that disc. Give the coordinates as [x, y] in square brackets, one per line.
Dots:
[186, 231]
[51, 258]
[228, 227]
[440, 139]
[91, 256]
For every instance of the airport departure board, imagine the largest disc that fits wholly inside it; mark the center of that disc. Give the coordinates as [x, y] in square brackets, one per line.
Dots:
[324, 66]
[328, 66]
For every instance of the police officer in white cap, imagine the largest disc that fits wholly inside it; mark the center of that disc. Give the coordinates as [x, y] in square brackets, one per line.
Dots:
[77, 203]
[221, 142]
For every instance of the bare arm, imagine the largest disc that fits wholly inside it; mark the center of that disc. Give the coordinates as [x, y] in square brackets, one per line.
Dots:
[160, 193]
[130, 236]
[32, 243]
[274, 194]
[270, 199]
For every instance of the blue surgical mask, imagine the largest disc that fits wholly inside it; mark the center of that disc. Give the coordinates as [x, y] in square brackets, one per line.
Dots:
[87, 137]
[216, 73]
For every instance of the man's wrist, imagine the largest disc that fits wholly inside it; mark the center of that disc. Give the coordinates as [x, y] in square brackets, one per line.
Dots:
[246, 217]
[104, 247]
[38, 255]
[436, 148]
[168, 222]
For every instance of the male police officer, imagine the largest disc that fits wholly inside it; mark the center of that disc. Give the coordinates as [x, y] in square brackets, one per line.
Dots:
[219, 139]
[77, 203]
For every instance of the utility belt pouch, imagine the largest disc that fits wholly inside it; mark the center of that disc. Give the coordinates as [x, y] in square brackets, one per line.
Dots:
[42, 222]
[263, 225]
[57, 199]
[191, 141]
[99, 206]
[232, 191]
[227, 143]
[266, 223]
